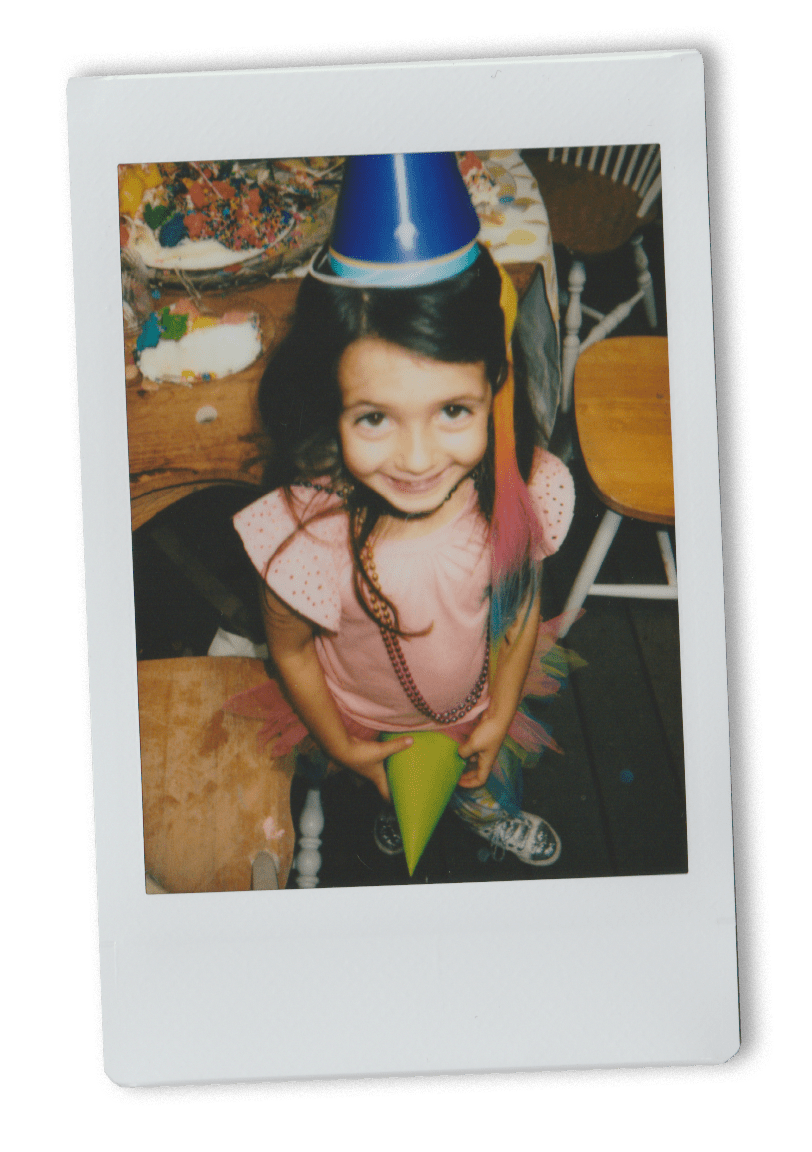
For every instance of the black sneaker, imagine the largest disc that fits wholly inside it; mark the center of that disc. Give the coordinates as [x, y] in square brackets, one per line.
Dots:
[387, 832]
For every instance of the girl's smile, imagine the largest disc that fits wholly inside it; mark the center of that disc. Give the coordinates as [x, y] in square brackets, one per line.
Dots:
[412, 428]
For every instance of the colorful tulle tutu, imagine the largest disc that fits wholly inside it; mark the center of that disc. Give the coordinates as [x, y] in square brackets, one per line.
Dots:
[282, 731]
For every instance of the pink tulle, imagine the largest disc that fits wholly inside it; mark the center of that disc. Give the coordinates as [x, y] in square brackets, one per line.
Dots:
[530, 734]
[282, 729]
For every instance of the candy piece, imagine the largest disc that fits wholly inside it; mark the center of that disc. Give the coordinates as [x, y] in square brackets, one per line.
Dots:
[186, 306]
[156, 214]
[203, 322]
[421, 781]
[200, 193]
[173, 231]
[174, 325]
[150, 333]
[196, 225]
[151, 174]
[130, 191]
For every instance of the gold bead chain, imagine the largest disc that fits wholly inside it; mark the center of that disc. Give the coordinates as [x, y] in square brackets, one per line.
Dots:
[386, 622]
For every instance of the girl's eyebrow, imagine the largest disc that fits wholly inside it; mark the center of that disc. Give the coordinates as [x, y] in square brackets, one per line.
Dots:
[444, 402]
[365, 404]
[467, 398]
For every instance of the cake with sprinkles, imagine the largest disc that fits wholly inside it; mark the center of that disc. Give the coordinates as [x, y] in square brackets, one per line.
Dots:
[198, 216]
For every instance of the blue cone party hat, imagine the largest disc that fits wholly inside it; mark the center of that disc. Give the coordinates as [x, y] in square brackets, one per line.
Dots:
[402, 220]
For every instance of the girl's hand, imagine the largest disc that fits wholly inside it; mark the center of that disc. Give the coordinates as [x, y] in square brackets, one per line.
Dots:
[481, 749]
[366, 757]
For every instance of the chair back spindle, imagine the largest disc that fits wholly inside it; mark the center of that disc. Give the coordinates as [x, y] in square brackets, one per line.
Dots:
[597, 199]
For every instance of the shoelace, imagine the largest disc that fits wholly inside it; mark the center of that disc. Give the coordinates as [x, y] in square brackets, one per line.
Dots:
[510, 834]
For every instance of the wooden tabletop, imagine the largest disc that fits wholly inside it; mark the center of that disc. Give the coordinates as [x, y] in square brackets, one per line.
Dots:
[212, 799]
[623, 415]
[172, 453]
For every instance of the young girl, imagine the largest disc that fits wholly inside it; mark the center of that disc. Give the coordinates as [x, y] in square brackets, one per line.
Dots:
[380, 541]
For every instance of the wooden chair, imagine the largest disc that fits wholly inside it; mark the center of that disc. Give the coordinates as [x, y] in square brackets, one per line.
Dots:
[598, 199]
[216, 809]
[623, 417]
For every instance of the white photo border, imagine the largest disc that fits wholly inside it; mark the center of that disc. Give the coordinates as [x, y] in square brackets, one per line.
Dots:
[441, 978]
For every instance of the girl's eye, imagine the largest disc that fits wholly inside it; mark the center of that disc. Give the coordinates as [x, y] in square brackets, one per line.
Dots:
[454, 411]
[371, 420]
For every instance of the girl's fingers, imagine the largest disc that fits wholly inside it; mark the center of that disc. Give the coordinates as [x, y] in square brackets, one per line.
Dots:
[393, 746]
[472, 780]
[378, 778]
[476, 777]
[372, 752]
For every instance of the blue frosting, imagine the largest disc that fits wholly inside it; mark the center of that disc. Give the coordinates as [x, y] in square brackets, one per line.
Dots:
[150, 333]
[173, 231]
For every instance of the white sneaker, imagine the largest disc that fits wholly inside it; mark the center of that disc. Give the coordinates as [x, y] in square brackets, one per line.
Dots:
[527, 836]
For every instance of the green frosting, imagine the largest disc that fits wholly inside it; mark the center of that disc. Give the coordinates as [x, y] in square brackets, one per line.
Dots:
[174, 325]
[155, 214]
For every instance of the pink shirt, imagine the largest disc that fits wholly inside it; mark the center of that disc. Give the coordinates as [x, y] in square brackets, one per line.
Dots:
[438, 580]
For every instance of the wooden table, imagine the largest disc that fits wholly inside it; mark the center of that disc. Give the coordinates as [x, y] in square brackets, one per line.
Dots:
[172, 453]
[213, 802]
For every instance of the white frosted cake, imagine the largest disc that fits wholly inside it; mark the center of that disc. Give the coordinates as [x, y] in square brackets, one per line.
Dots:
[181, 346]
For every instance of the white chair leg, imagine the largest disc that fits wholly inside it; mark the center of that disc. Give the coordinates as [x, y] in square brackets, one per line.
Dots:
[308, 860]
[607, 324]
[607, 530]
[644, 280]
[264, 877]
[667, 553]
[572, 326]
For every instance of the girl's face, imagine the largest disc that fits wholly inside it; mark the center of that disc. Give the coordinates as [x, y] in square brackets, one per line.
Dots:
[411, 427]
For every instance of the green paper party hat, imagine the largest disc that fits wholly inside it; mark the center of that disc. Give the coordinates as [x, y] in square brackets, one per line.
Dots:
[421, 781]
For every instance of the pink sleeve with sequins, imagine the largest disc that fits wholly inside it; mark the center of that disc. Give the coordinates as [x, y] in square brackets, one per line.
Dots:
[553, 494]
[304, 574]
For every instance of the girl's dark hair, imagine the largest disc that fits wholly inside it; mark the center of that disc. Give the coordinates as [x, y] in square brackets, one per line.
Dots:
[457, 321]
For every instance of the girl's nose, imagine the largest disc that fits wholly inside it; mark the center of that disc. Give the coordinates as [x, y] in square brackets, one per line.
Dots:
[416, 451]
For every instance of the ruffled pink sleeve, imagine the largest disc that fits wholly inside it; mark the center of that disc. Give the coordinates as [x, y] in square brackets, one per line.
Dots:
[305, 573]
[553, 494]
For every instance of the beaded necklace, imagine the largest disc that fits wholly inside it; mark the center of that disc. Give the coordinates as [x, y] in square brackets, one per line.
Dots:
[386, 624]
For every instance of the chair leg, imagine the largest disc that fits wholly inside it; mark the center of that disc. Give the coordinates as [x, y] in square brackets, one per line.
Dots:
[264, 877]
[644, 281]
[308, 861]
[572, 325]
[666, 551]
[607, 530]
